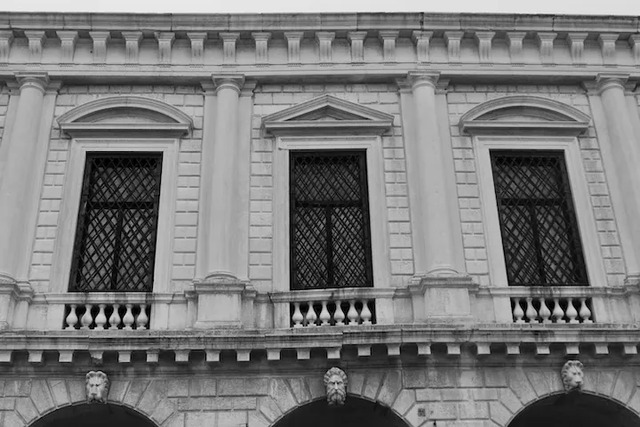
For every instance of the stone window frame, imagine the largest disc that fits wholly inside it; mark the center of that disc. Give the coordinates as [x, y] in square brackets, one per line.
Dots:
[360, 129]
[113, 133]
[579, 191]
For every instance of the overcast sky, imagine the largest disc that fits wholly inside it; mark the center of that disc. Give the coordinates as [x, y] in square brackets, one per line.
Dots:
[601, 7]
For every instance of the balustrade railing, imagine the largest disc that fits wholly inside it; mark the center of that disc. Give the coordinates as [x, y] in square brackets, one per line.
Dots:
[327, 312]
[127, 316]
[543, 309]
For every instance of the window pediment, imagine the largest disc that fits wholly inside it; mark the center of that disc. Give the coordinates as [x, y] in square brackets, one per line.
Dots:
[327, 114]
[524, 113]
[130, 115]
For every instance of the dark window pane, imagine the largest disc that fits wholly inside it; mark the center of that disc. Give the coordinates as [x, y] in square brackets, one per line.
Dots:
[117, 223]
[330, 238]
[539, 231]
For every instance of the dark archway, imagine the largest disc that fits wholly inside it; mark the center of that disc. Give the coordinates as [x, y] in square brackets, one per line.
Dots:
[575, 409]
[94, 415]
[355, 412]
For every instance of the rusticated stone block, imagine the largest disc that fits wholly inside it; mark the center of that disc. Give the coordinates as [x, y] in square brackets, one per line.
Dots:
[235, 418]
[508, 398]
[495, 377]
[155, 393]
[473, 410]
[231, 387]
[134, 392]
[216, 403]
[41, 396]
[17, 388]
[257, 420]
[178, 388]
[403, 402]
[372, 384]
[78, 391]
[414, 378]
[316, 387]
[26, 409]
[443, 377]
[299, 389]
[11, 420]
[7, 403]
[519, 383]
[176, 421]
[199, 419]
[117, 389]
[624, 387]
[163, 411]
[59, 391]
[545, 382]
[281, 394]
[202, 387]
[269, 409]
[356, 381]
[499, 413]
[391, 386]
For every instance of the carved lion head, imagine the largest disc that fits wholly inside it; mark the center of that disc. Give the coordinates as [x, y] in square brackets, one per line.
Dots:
[97, 385]
[572, 375]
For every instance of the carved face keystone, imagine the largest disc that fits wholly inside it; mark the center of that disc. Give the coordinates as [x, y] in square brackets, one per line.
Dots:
[97, 386]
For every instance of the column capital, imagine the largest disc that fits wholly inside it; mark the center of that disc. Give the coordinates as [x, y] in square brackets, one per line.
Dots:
[38, 81]
[228, 81]
[606, 81]
[420, 78]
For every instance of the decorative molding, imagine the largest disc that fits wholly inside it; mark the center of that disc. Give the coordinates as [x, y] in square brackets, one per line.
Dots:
[325, 40]
[576, 44]
[36, 41]
[6, 37]
[67, 45]
[634, 41]
[197, 47]
[78, 121]
[132, 41]
[229, 41]
[293, 46]
[327, 113]
[422, 39]
[516, 39]
[357, 45]
[484, 45]
[608, 47]
[165, 42]
[520, 113]
[453, 40]
[546, 46]
[262, 47]
[388, 39]
[100, 40]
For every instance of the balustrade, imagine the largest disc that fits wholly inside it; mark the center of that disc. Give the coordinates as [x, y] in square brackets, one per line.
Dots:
[552, 310]
[102, 316]
[328, 312]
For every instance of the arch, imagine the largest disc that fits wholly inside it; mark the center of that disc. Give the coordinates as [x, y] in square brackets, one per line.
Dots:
[355, 411]
[125, 114]
[575, 408]
[97, 415]
[524, 113]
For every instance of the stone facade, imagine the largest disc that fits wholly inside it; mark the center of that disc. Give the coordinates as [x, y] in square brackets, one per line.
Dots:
[222, 340]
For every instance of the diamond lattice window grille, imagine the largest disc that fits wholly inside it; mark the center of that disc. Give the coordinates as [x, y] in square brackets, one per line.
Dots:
[117, 223]
[330, 229]
[540, 236]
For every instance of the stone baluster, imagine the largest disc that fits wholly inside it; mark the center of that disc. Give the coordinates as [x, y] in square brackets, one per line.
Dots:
[128, 318]
[86, 319]
[572, 313]
[388, 39]
[325, 317]
[576, 43]
[101, 318]
[72, 318]
[516, 51]
[544, 311]
[297, 317]
[365, 314]
[142, 319]
[546, 46]
[558, 313]
[484, 45]
[608, 47]
[352, 314]
[325, 41]
[453, 40]
[311, 316]
[585, 313]
[634, 41]
[531, 313]
[338, 316]
[518, 313]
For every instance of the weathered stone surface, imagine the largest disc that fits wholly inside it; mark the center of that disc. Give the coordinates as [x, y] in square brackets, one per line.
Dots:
[519, 383]
[59, 391]
[202, 387]
[299, 389]
[455, 394]
[443, 377]
[77, 390]
[216, 403]
[372, 385]
[134, 392]
[155, 393]
[471, 378]
[545, 381]
[11, 420]
[499, 413]
[391, 386]
[403, 402]
[356, 383]
[508, 398]
[17, 388]
[236, 418]
[177, 420]
[442, 411]
[7, 403]
[41, 396]
[428, 395]
[231, 387]
[26, 409]
[414, 378]
[199, 419]
[165, 409]
[473, 410]
[624, 386]
[179, 388]
[281, 394]
[257, 386]
[316, 387]
[117, 389]
[495, 377]
[269, 409]
[483, 393]
[257, 420]
[601, 381]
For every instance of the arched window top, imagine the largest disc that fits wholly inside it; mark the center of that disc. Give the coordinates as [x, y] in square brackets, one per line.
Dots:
[125, 115]
[524, 114]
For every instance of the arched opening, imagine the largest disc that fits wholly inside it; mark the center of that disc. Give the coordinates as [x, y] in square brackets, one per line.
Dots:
[355, 412]
[94, 415]
[575, 409]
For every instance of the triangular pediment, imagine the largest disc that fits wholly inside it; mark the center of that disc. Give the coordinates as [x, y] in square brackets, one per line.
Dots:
[326, 114]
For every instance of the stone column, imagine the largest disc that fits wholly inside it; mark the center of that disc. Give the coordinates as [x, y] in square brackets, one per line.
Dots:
[25, 155]
[430, 185]
[222, 258]
[617, 126]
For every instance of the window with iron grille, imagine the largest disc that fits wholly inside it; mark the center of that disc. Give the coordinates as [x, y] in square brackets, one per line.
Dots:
[117, 224]
[540, 235]
[330, 232]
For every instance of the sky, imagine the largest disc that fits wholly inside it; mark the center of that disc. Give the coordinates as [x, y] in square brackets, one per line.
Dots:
[599, 7]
